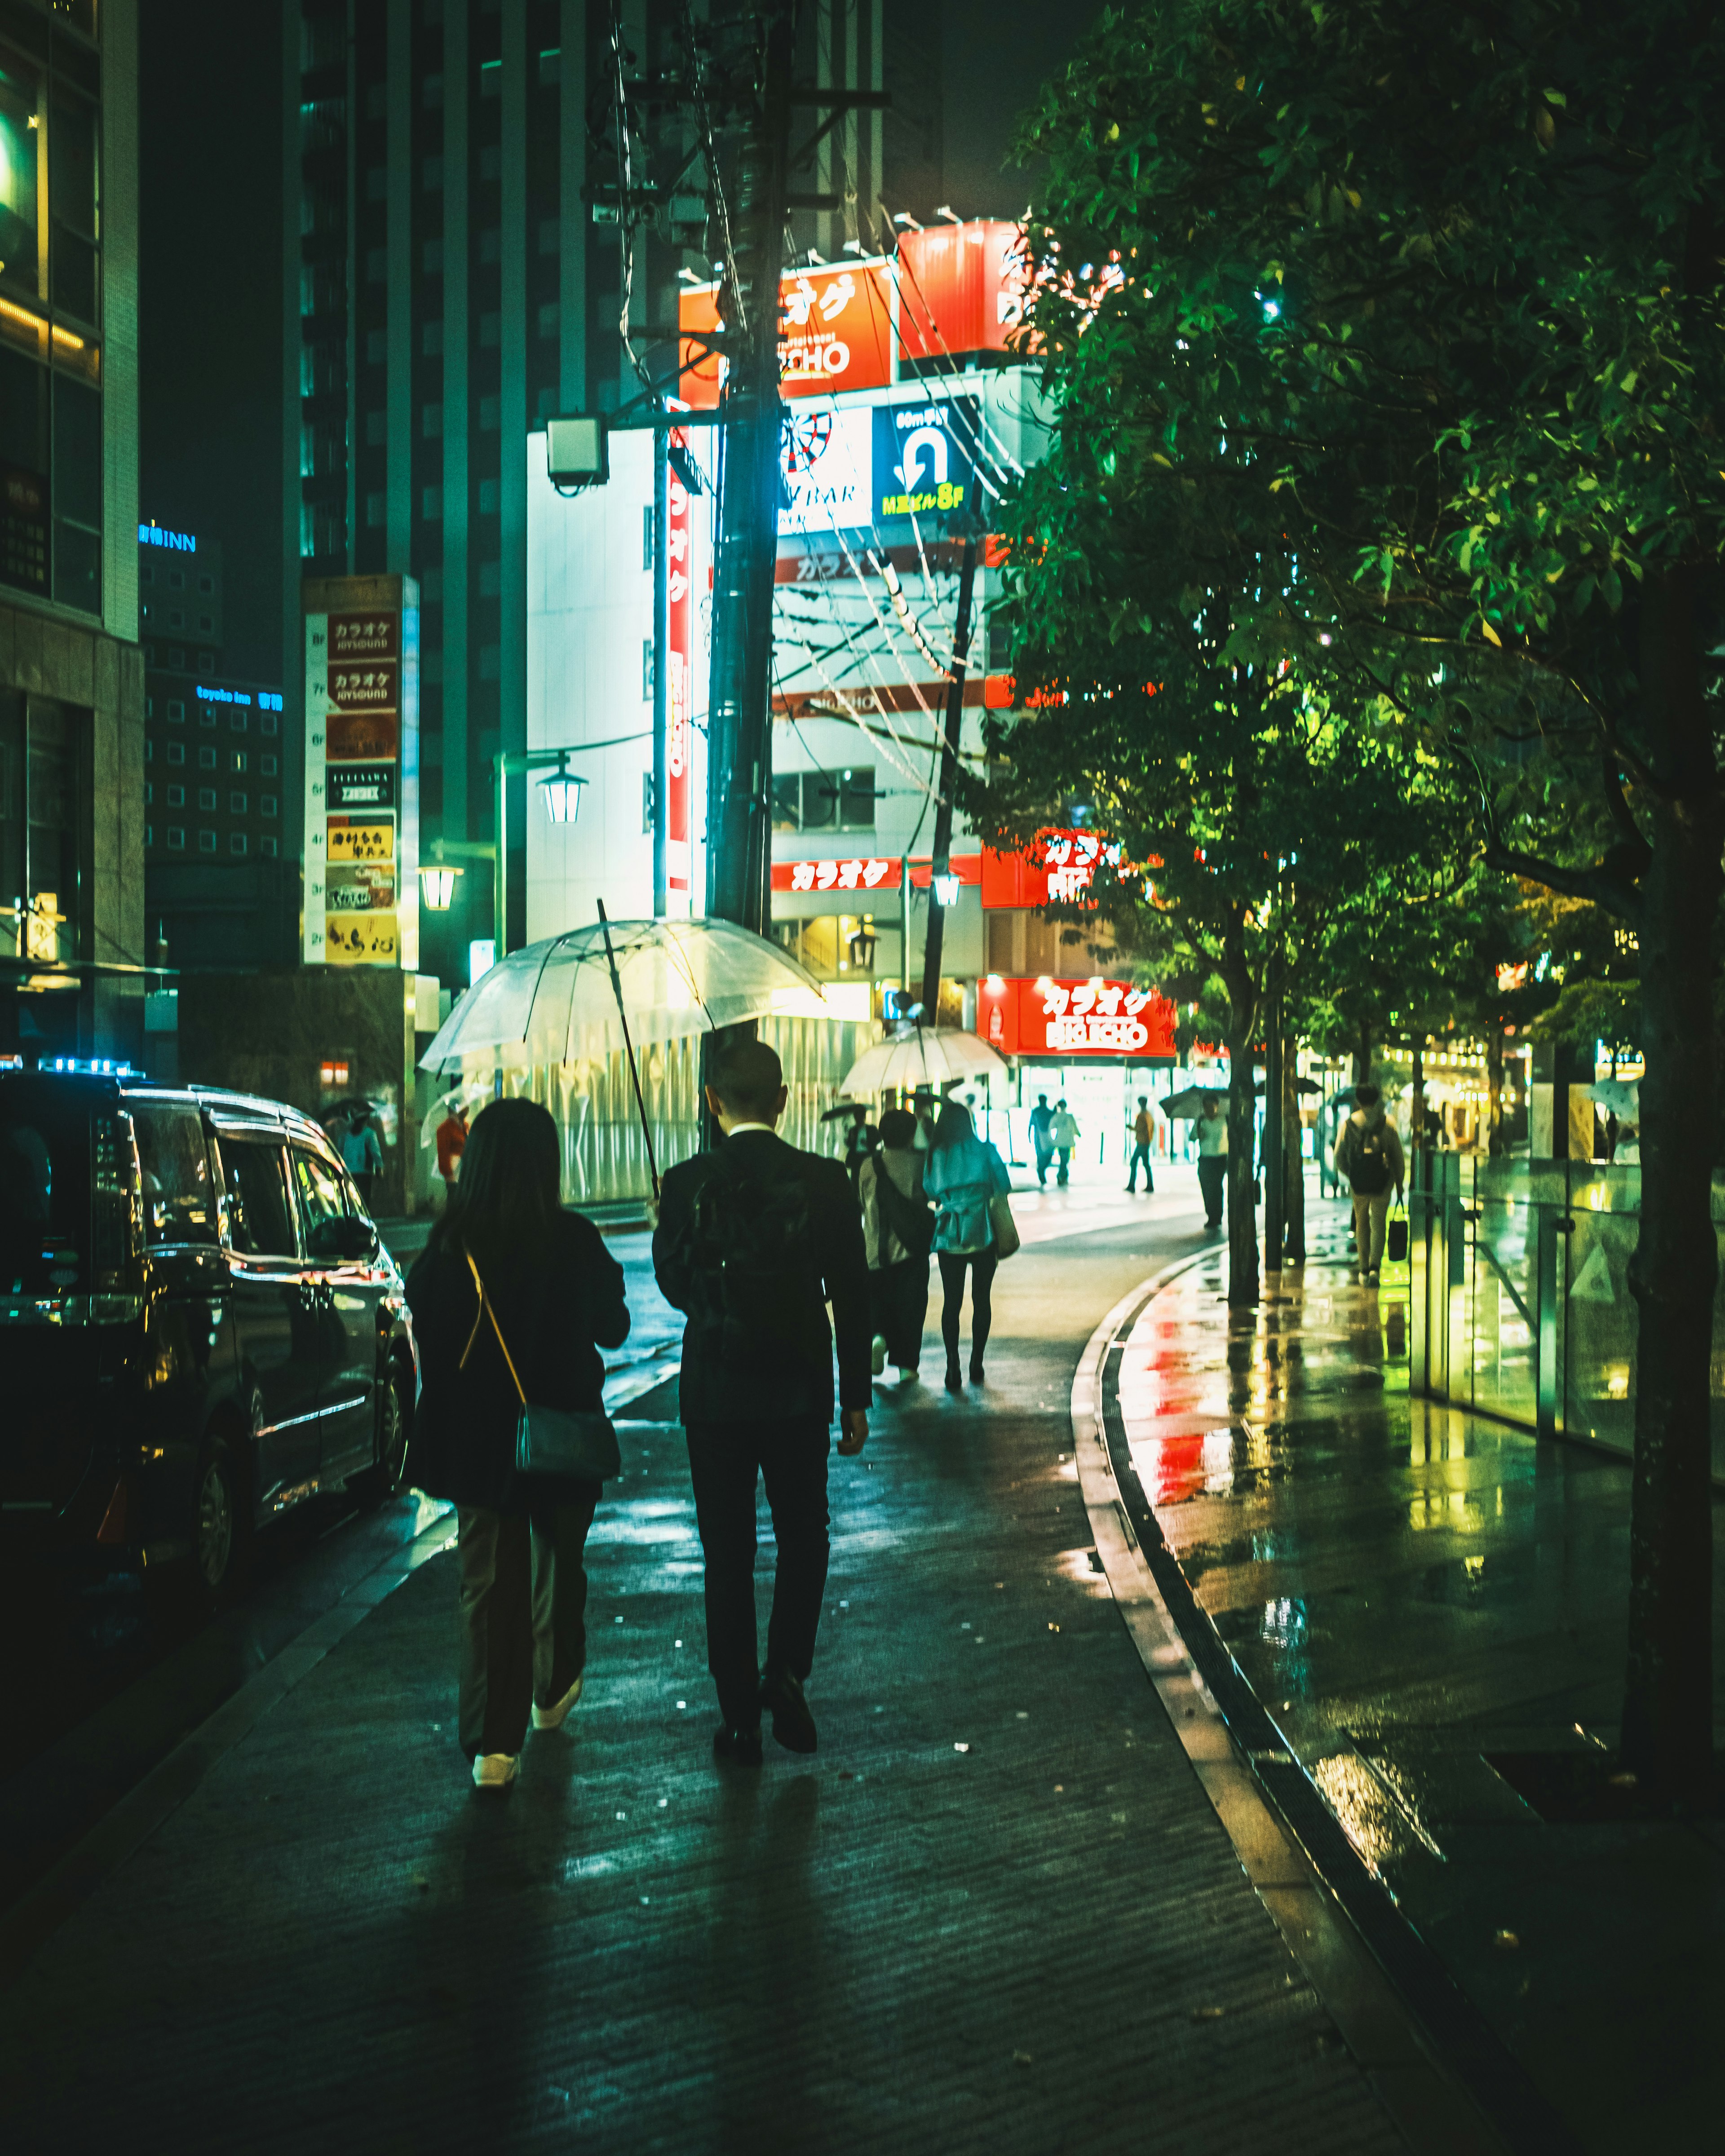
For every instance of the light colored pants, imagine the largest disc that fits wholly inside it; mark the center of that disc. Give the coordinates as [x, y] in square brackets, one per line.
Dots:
[1371, 1220]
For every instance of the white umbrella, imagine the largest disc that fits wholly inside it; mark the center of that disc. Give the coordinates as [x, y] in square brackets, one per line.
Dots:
[554, 1001]
[1617, 1097]
[933, 1059]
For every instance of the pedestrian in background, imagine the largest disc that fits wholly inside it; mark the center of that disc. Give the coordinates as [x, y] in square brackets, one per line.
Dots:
[898, 1232]
[752, 1240]
[1065, 1132]
[1368, 1153]
[1143, 1130]
[362, 1154]
[1212, 1135]
[451, 1139]
[1041, 1136]
[510, 1278]
[962, 1174]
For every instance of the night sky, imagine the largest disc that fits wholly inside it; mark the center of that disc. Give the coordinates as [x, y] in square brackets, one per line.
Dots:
[211, 326]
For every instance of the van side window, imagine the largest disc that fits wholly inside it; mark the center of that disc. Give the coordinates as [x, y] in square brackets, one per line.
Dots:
[173, 1161]
[261, 1219]
[322, 1197]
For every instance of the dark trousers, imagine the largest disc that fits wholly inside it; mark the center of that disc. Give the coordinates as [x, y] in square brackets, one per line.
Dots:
[724, 1459]
[982, 1265]
[1140, 1154]
[898, 1299]
[1065, 1154]
[523, 1611]
[1213, 1182]
[1045, 1154]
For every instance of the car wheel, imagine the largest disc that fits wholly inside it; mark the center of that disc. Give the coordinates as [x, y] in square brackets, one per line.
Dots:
[385, 1478]
[220, 1528]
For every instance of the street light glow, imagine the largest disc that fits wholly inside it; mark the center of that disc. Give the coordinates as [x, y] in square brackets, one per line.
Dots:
[561, 794]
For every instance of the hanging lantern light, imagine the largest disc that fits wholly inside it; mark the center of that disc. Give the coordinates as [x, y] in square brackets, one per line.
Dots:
[436, 885]
[561, 793]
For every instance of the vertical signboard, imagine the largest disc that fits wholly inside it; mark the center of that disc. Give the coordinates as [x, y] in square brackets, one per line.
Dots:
[680, 678]
[361, 773]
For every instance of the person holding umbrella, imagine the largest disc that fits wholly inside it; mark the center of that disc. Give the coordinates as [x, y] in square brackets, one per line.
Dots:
[1212, 1136]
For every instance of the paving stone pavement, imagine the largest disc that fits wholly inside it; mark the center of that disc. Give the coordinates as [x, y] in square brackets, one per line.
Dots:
[994, 1913]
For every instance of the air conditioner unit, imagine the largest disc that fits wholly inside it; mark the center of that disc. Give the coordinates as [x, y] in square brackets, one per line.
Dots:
[578, 450]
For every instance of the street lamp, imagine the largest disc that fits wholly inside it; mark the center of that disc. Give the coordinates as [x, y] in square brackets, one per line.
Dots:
[436, 885]
[562, 792]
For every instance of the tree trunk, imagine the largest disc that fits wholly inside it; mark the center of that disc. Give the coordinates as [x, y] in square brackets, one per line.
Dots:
[1494, 1088]
[1363, 1055]
[1242, 1210]
[1668, 1703]
[1416, 1100]
[1293, 1166]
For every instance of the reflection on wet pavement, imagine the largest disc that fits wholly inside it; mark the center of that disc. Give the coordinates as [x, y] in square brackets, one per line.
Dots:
[1410, 1590]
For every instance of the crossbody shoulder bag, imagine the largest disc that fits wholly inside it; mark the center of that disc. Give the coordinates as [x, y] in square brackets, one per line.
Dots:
[576, 1442]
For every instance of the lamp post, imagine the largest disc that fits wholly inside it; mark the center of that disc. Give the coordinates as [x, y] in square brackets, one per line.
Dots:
[561, 792]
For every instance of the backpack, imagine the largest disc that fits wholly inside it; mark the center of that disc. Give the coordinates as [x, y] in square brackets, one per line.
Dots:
[912, 1224]
[1368, 1162]
[756, 1276]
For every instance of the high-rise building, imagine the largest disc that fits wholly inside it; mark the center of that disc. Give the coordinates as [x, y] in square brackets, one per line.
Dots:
[72, 945]
[220, 887]
[456, 272]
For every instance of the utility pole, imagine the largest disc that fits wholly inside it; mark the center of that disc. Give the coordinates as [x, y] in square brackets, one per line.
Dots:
[949, 772]
[661, 667]
[740, 713]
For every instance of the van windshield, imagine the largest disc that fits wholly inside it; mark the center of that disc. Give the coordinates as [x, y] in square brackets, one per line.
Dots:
[44, 1187]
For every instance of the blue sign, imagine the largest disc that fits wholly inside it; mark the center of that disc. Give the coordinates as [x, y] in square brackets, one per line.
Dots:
[180, 542]
[925, 456]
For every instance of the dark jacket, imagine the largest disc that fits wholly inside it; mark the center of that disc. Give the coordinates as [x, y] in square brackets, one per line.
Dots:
[798, 1383]
[556, 1316]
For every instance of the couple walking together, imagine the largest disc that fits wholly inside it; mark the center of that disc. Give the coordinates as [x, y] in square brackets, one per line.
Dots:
[752, 1240]
[962, 1174]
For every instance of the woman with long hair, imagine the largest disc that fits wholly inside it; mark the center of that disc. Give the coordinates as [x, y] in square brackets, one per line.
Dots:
[962, 1173]
[509, 1277]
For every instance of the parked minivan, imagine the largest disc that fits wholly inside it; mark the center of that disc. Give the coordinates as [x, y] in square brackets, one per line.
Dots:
[199, 1324]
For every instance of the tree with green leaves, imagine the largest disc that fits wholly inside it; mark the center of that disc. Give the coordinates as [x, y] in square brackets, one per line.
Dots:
[1442, 289]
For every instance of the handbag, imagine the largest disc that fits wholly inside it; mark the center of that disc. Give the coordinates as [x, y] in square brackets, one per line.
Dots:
[912, 1224]
[576, 1442]
[1395, 1247]
[1003, 1227]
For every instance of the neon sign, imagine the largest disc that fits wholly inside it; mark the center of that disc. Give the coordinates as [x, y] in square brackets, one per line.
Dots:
[178, 542]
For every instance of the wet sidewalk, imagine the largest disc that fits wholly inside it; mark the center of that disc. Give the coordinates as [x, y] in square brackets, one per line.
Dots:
[996, 1911]
[1430, 1612]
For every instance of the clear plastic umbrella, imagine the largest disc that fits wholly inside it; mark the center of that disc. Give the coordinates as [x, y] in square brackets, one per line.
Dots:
[554, 1001]
[921, 1057]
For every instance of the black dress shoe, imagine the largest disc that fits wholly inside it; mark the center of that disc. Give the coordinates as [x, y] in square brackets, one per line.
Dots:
[976, 1372]
[740, 1747]
[793, 1724]
[955, 1383]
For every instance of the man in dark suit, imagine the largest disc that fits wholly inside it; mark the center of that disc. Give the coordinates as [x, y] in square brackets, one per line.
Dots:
[750, 1241]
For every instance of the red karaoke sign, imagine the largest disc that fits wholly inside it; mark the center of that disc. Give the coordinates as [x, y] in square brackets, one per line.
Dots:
[680, 676]
[1074, 1017]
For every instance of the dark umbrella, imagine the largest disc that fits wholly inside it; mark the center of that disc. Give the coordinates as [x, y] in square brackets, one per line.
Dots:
[1300, 1085]
[1188, 1102]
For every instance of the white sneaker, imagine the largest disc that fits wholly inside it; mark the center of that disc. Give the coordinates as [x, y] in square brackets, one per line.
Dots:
[554, 1717]
[878, 1355]
[494, 1770]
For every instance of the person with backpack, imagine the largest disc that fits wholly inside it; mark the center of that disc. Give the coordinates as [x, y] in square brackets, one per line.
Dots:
[752, 1240]
[962, 1174]
[1369, 1155]
[512, 1299]
[898, 1232]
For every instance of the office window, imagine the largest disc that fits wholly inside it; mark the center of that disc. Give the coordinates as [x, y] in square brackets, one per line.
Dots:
[147, 575]
[488, 497]
[374, 509]
[236, 804]
[431, 93]
[206, 660]
[207, 585]
[206, 842]
[177, 751]
[267, 806]
[149, 834]
[206, 714]
[176, 580]
[237, 721]
[377, 176]
[377, 347]
[267, 723]
[490, 662]
[376, 265]
[431, 421]
[236, 842]
[266, 847]
[176, 656]
[377, 430]
[647, 670]
[824, 800]
[550, 232]
[431, 504]
[491, 243]
[491, 78]
[175, 797]
[431, 257]
[490, 579]
[491, 162]
[431, 340]
[206, 759]
[149, 750]
[176, 838]
[551, 65]
[267, 765]
[491, 414]
[431, 174]
[207, 799]
[550, 315]
[490, 330]
[177, 619]
[149, 795]
[239, 759]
